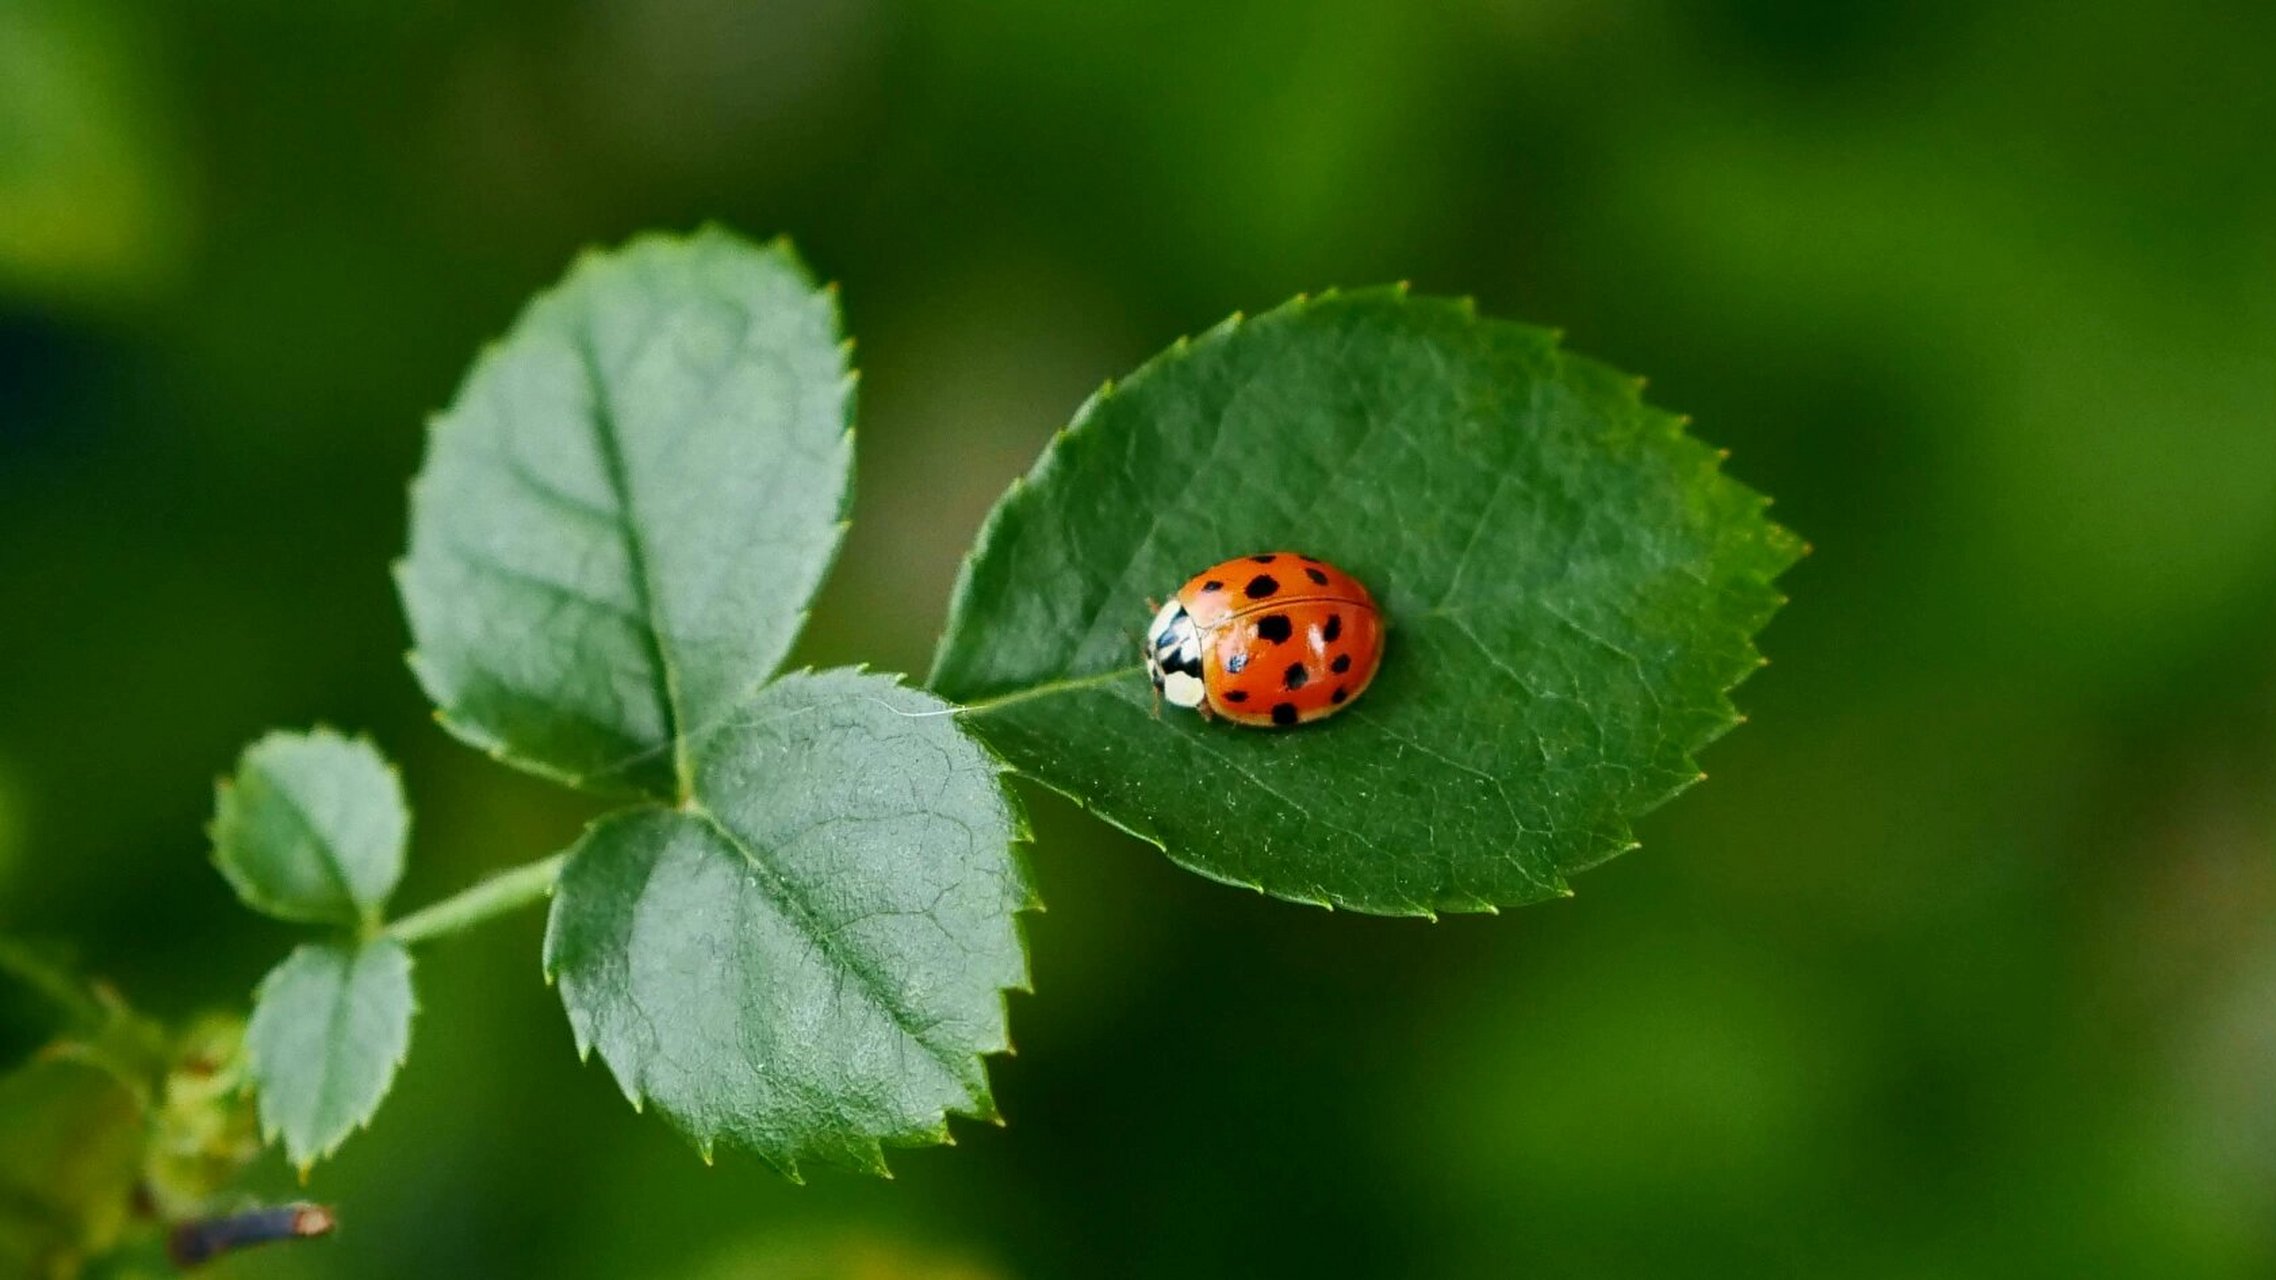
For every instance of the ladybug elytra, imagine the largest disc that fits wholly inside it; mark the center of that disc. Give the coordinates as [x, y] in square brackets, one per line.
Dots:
[1275, 640]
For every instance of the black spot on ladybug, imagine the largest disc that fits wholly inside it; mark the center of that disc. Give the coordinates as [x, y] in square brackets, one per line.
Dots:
[1341, 664]
[1264, 559]
[1308, 559]
[1236, 664]
[1273, 628]
[1213, 585]
[1296, 676]
[1318, 578]
[1339, 695]
[1334, 628]
[1234, 695]
[1284, 713]
[1261, 586]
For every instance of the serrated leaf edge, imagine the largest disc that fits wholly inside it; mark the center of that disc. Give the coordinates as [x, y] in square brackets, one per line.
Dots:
[272, 1130]
[590, 258]
[981, 1096]
[251, 894]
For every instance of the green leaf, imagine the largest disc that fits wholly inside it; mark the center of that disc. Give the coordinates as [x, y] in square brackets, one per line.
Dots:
[625, 511]
[71, 1146]
[1571, 587]
[330, 1026]
[312, 828]
[806, 959]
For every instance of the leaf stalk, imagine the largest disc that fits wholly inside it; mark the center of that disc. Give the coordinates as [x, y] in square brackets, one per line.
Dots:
[502, 893]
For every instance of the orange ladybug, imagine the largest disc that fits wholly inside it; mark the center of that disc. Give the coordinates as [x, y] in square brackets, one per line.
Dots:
[1272, 640]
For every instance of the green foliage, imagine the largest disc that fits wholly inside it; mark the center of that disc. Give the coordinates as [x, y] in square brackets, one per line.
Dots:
[809, 956]
[70, 1152]
[203, 1129]
[797, 944]
[623, 514]
[330, 1026]
[312, 828]
[1571, 587]
[117, 1126]
[797, 939]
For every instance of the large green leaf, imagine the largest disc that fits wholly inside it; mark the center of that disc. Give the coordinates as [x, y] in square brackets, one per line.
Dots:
[807, 958]
[624, 513]
[1571, 586]
[330, 1026]
[312, 828]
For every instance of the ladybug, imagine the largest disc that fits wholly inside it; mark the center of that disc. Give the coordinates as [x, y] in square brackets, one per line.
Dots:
[1271, 640]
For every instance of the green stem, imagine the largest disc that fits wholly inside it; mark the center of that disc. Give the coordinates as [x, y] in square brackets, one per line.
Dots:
[501, 893]
[68, 995]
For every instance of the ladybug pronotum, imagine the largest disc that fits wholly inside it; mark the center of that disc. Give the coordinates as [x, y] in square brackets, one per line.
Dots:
[1272, 640]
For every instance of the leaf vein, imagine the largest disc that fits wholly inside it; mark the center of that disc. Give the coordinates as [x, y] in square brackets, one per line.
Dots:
[849, 962]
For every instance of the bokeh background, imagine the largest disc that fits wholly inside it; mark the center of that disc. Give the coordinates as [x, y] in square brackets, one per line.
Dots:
[1964, 961]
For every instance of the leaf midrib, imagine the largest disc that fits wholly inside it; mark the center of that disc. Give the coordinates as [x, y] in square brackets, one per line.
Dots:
[326, 857]
[328, 1071]
[636, 553]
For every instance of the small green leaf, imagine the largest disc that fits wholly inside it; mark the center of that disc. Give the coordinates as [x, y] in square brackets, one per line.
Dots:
[625, 511]
[71, 1147]
[807, 958]
[1571, 587]
[312, 828]
[330, 1026]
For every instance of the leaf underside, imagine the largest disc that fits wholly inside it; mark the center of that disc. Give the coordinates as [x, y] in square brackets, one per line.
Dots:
[627, 506]
[1570, 582]
[311, 828]
[331, 1024]
[807, 958]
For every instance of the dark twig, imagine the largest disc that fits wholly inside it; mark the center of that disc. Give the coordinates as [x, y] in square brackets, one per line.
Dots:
[195, 1243]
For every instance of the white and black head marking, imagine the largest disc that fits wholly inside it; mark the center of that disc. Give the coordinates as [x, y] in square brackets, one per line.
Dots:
[1173, 656]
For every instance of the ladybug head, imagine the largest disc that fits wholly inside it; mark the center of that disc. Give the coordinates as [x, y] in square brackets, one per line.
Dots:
[1173, 656]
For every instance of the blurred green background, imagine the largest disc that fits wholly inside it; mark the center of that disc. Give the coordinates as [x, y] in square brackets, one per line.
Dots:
[1963, 963]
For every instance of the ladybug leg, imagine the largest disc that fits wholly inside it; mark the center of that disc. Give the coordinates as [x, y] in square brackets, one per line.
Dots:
[1203, 708]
